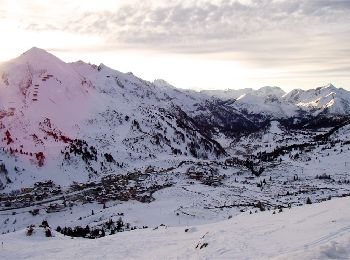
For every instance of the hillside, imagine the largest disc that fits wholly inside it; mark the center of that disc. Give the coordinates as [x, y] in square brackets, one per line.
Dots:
[318, 231]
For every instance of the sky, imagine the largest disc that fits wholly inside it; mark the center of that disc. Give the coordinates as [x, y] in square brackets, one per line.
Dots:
[198, 44]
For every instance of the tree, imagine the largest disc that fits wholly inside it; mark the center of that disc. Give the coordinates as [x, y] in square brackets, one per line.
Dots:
[48, 232]
[45, 224]
[260, 205]
[120, 224]
[308, 200]
[40, 157]
[30, 230]
[87, 229]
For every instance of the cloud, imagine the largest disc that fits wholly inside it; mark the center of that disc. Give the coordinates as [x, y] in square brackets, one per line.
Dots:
[224, 20]
[266, 33]
[186, 23]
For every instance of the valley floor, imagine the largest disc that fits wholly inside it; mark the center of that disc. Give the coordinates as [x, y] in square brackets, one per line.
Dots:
[317, 231]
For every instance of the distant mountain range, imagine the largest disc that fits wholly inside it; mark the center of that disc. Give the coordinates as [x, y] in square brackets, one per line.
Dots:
[275, 101]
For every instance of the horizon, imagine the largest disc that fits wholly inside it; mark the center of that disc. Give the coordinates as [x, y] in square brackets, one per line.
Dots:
[199, 45]
[170, 83]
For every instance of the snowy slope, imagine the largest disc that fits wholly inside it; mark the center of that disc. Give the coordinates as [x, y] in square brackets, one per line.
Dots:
[38, 86]
[46, 103]
[327, 99]
[269, 105]
[318, 231]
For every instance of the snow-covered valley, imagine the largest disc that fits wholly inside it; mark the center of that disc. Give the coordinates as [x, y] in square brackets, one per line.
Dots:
[86, 145]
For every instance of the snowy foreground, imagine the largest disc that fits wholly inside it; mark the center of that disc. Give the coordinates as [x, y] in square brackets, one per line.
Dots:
[318, 231]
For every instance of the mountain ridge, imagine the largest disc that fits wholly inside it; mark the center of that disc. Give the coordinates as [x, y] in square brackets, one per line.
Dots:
[45, 102]
[301, 99]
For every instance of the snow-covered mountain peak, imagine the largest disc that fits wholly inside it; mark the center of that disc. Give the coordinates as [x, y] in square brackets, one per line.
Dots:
[37, 65]
[334, 100]
[38, 90]
[35, 51]
[329, 86]
[38, 59]
[269, 91]
[238, 94]
[227, 93]
[162, 83]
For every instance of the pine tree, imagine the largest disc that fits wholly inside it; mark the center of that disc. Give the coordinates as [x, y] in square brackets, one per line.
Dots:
[48, 233]
[45, 224]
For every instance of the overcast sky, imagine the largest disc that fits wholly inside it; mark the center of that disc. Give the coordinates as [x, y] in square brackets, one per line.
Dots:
[201, 44]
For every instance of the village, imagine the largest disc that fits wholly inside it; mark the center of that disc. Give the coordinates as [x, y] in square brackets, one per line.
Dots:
[50, 197]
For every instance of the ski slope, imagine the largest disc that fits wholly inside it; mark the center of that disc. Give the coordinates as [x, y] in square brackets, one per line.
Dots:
[318, 231]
